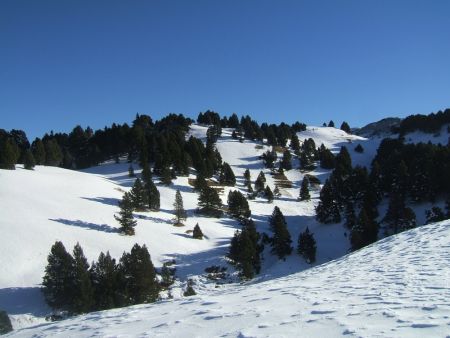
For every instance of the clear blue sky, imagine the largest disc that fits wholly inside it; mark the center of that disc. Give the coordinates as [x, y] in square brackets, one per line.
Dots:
[92, 63]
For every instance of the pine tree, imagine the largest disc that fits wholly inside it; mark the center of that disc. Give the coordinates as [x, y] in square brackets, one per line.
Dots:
[197, 233]
[326, 158]
[166, 176]
[350, 217]
[8, 156]
[5, 323]
[131, 171]
[260, 182]
[29, 161]
[247, 178]
[38, 150]
[104, 277]
[327, 211]
[399, 217]
[146, 174]
[209, 202]
[276, 191]
[281, 241]
[306, 246]
[140, 283]
[53, 153]
[238, 205]
[125, 217]
[304, 190]
[331, 124]
[200, 182]
[359, 148]
[180, 213]
[189, 289]
[345, 127]
[286, 161]
[434, 215]
[153, 197]
[364, 232]
[295, 144]
[82, 288]
[139, 197]
[57, 280]
[226, 176]
[268, 194]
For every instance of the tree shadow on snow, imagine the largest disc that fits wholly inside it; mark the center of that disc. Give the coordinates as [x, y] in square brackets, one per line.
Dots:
[104, 200]
[16, 301]
[86, 225]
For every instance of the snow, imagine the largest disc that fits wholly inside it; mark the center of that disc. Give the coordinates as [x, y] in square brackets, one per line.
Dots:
[48, 204]
[397, 287]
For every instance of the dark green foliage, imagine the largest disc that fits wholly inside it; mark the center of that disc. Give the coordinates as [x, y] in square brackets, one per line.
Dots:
[281, 240]
[5, 323]
[268, 194]
[200, 182]
[131, 171]
[350, 217]
[139, 196]
[276, 191]
[359, 148]
[326, 158]
[180, 213]
[295, 144]
[105, 282]
[398, 217]
[245, 250]
[308, 154]
[427, 123]
[209, 202]
[226, 176]
[197, 233]
[166, 176]
[153, 197]
[238, 205]
[327, 211]
[304, 190]
[125, 217]
[82, 291]
[286, 161]
[364, 232]
[269, 158]
[189, 289]
[436, 214]
[343, 163]
[306, 246]
[8, 155]
[260, 182]
[331, 124]
[29, 161]
[247, 178]
[38, 149]
[53, 153]
[58, 278]
[139, 276]
[167, 274]
[345, 127]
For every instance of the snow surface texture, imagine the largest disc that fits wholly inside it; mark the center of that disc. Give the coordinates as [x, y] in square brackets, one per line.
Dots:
[397, 287]
[48, 204]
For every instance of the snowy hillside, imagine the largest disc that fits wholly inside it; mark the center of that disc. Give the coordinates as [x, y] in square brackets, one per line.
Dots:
[397, 287]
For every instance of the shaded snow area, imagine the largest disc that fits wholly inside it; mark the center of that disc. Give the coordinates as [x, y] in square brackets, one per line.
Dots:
[397, 287]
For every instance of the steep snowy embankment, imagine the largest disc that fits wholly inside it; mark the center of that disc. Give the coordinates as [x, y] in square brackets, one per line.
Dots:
[397, 287]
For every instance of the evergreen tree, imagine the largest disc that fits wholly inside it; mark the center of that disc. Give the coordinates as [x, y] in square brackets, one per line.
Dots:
[350, 217]
[209, 202]
[304, 190]
[247, 178]
[180, 213]
[276, 191]
[245, 250]
[345, 127]
[153, 197]
[306, 246]
[327, 211]
[295, 144]
[81, 287]
[268, 194]
[434, 215]
[259, 183]
[359, 148]
[166, 176]
[331, 124]
[226, 176]
[8, 156]
[29, 161]
[139, 276]
[281, 241]
[5, 323]
[189, 289]
[139, 196]
[38, 150]
[200, 182]
[131, 171]
[364, 232]
[197, 233]
[238, 205]
[286, 161]
[326, 158]
[58, 279]
[125, 217]
[53, 153]
[104, 276]
[399, 217]
[269, 158]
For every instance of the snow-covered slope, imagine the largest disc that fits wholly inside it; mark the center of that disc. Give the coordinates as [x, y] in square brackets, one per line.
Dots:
[397, 287]
[48, 204]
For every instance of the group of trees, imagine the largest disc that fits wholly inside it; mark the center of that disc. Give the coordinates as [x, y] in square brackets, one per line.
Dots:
[70, 284]
[431, 123]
